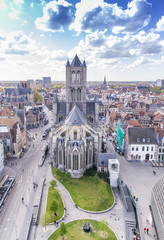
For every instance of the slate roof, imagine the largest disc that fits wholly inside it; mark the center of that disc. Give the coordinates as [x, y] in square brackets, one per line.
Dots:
[76, 62]
[61, 107]
[90, 108]
[103, 159]
[17, 91]
[20, 114]
[76, 117]
[55, 98]
[143, 135]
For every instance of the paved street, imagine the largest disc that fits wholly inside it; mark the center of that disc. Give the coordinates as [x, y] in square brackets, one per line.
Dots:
[12, 216]
[140, 179]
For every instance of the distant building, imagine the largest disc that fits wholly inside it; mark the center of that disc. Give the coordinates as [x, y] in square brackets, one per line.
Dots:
[141, 144]
[46, 81]
[160, 82]
[1, 156]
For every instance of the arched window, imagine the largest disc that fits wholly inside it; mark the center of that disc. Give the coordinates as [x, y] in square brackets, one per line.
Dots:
[90, 156]
[73, 94]
[81, 161]
[69, 161]
[73, 77]
[60, 156]
[78, 94]
[75, 160]
[78, 77]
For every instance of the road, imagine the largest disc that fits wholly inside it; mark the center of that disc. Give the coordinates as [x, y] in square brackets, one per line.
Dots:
[14, 211]
[140, 179]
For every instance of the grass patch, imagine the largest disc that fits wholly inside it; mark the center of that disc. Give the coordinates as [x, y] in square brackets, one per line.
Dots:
[75, 232]
[53, 194]
[86, 193]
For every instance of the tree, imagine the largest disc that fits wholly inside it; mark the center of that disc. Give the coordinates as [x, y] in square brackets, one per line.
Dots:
[43, 221]
[96, 178]
[102, 224]
[53, 183]
[54, 206]
[63, 229]
[38, 97]
[68, 175]
[57, 171]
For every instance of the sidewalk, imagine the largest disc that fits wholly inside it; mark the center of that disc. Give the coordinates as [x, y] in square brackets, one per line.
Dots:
[115, 216]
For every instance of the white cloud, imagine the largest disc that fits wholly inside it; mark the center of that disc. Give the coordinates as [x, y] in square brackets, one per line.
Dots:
[17, 2]
[32, 5]
[56, 15]
[160, 25]
[98, 15]
[3, 5]
[14, 13]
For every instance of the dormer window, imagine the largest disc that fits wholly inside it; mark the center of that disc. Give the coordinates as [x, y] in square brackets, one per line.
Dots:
[138, 140]
[143, 139]
[148, 139]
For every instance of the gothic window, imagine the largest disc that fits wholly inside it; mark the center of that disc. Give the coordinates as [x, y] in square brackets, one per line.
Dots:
[78, 77]
[60, 156]
[75, 134]
[81, 161]
[90, 156]
[75, 160]
[69, 161]
[73, 94]
[78, 94]
[73, 77]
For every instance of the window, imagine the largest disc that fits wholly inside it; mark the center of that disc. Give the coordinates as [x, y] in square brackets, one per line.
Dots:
[147, 148]
[151, 156]
[152, 148]
[132, 148]
[143, 148]
[138, 140]
[90, 156]
[75, 134]
[160, 150]
[81, 161]
[69, 161]
[78, 94]
[102, 169]
[148, 139]
[136, 148]
[139, 157]
[143, 139]
[60, 156]
[75, 160]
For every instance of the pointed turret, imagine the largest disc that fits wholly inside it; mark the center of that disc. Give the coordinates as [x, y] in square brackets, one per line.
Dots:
[84, 64]
[68, 64]
[76, 62]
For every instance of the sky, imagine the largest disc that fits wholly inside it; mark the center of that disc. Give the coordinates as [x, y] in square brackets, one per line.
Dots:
[122, 40]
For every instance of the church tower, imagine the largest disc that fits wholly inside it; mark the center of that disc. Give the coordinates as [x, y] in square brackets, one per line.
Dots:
[76, 82]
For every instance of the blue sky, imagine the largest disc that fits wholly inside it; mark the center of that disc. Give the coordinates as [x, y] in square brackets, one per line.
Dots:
[121, 39]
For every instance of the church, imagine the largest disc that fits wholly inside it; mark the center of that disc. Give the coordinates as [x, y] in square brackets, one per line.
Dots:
[76, 136]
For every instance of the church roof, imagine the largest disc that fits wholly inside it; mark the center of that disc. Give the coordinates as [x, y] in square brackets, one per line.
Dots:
[75, 117]
[68, 64]
[76, 62]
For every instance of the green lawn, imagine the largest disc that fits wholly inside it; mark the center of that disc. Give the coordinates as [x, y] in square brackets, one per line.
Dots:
[75, 232]
[86, 193]
[53, 194]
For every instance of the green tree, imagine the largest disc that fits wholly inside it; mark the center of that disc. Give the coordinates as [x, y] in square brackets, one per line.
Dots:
[96, 178]
[57, 171]
[63, 229]
[102, 224]
[53, 183]
[43, 221]
[54, 206]
[38, 97]
[68, 175]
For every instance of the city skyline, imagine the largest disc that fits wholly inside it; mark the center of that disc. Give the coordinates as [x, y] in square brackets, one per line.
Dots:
[120, 39]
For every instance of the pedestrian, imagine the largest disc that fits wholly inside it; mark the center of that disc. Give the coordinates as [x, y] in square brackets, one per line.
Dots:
[147, 230]
[144, 230]
[154, 172]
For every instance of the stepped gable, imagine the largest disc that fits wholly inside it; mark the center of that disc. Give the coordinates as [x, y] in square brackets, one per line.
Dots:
[76, 117]
[76, 62]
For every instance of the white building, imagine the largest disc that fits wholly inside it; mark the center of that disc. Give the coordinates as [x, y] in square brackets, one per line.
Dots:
[1, 156]
[141, 144]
